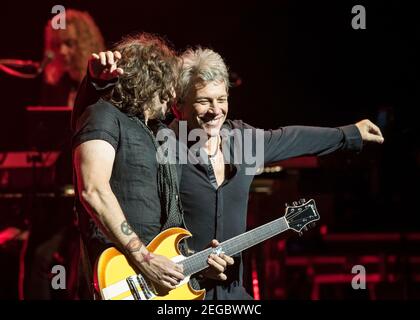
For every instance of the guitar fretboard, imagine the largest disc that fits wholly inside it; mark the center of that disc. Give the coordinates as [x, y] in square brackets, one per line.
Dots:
[198, 261]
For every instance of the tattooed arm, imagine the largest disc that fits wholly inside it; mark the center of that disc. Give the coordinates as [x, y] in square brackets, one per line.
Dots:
[93, 161]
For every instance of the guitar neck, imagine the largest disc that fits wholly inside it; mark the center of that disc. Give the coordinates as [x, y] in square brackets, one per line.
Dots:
[198, 261]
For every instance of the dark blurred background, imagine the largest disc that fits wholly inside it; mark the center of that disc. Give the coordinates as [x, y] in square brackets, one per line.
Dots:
[298, 62]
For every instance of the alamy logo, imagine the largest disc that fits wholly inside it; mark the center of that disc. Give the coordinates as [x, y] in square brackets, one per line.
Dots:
[59, 20]
[359, 280]
[59, 280]
[239, 146]
[359, 20]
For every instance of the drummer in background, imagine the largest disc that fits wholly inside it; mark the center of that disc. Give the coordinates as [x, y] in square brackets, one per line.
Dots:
[53, 236]
[70, 49]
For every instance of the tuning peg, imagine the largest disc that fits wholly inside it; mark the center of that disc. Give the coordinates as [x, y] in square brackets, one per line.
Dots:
[302, 201]
[286, 204]
[312, 224]
[300, 233]
[295, 203]
[305, 228]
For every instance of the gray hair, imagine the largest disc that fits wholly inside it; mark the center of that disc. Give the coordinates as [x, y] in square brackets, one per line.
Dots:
[203, 65]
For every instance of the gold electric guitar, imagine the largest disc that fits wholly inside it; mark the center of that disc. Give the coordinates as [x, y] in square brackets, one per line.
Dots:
[115, 279]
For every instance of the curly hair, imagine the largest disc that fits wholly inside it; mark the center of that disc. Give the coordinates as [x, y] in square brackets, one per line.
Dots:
[151, 68]
[88, 40]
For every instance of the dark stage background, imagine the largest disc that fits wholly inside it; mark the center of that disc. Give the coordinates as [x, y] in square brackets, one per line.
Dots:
[300, 62]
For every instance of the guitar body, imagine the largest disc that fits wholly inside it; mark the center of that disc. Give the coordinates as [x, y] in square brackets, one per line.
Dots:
[115, 279]
[113, 270]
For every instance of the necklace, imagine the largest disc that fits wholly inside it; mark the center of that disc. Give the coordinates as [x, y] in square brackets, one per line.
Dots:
[211, 156]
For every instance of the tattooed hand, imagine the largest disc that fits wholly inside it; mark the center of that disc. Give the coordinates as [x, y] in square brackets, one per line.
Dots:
[157, 268]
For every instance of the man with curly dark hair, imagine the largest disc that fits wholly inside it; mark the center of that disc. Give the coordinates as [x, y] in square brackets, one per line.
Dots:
[118, 197]
[124, 197]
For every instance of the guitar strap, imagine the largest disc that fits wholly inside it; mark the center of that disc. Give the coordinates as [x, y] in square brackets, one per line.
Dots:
[169, 195]
[168, 186]
[167, 180]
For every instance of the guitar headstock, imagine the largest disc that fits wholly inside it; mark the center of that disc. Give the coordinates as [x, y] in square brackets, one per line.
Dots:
[301, 214]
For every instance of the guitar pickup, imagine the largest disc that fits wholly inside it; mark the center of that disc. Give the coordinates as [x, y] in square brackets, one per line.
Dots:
[132, 284]
[137, 282]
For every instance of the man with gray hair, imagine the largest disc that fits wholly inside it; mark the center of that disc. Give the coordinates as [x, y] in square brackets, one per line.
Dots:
[214, 190]
[214, 193]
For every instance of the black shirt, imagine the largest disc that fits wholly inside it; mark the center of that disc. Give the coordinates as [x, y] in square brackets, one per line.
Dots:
[134, 173]
[220, 213]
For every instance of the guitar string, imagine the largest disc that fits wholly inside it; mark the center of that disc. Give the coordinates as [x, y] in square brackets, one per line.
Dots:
[194, 260]
[197, 260]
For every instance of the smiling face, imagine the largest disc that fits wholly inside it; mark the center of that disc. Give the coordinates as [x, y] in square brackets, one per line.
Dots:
[206, 107]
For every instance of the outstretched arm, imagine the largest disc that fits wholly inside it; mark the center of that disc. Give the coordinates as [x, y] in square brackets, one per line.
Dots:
[294, 141]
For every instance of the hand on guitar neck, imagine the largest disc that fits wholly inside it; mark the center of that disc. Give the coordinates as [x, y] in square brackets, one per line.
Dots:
[166, 274]
[217, 264]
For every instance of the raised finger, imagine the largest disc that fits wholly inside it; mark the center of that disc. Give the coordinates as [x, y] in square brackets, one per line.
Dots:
[117, 55]
[110, 58]
[102, 57]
